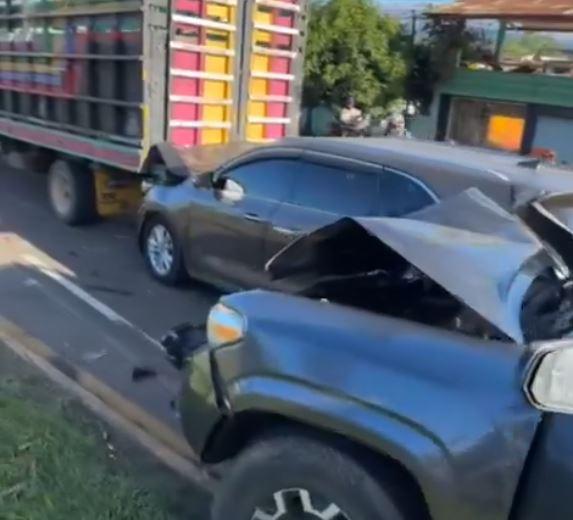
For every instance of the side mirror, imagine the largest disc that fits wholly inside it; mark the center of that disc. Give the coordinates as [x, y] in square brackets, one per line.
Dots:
[231, 191]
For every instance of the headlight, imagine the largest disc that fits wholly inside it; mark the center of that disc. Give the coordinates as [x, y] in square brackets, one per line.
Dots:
[549, 384]
[225, 326]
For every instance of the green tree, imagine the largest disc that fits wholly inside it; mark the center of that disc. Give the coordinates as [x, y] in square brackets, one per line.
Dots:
[528, 44]
[353, 49]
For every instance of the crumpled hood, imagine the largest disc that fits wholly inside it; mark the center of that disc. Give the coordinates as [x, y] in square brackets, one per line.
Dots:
[469, 245]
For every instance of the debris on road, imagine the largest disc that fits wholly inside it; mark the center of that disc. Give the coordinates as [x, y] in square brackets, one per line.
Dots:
[180, 342]
[141, 373]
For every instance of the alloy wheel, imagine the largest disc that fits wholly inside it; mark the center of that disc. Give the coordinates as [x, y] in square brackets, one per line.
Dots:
[160, 249]
[298, 504]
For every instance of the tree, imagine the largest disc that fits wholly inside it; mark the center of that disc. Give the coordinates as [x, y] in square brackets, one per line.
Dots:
[435, 57]
[352, 49]
[530, 44]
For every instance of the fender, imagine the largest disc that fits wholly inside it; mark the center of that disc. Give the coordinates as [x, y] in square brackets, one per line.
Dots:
[449, 408]
[422, 452]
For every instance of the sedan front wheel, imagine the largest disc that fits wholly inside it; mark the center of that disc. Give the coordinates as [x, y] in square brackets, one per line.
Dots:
[162, 252]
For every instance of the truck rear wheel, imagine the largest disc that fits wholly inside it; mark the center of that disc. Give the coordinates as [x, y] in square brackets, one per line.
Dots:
[72, 193]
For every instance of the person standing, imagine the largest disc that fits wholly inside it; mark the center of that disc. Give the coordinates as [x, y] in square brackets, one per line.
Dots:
[397, 127]
[352, 120]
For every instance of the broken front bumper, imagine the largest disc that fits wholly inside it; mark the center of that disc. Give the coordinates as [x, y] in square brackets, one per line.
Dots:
[187, 349]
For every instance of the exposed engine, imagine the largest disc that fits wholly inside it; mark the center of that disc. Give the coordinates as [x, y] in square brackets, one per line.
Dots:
[346, 265]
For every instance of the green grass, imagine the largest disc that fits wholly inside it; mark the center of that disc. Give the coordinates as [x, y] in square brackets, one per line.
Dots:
[54, 468]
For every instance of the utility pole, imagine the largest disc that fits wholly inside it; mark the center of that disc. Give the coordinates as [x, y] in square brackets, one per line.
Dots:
[501, 35]
[414, 27]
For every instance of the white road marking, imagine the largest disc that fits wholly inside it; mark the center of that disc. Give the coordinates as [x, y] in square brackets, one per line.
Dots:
[169, 447]
[87, 298]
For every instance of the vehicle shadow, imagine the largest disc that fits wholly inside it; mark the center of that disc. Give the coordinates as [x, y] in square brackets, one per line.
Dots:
[103, 259]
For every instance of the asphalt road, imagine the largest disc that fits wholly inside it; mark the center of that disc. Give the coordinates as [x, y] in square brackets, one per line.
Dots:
[103, 258]
[85, 294]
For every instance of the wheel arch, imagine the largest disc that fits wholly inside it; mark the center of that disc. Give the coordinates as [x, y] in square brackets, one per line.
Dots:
[229, 438]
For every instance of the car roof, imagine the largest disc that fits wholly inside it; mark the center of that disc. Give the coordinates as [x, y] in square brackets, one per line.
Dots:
[445, 167]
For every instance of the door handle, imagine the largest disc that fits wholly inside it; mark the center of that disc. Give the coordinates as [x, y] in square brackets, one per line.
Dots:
[285, 231]
[252, 217]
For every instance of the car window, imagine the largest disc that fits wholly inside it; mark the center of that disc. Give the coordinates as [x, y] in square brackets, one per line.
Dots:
[336, 190]
[267, 179]
[401, 194]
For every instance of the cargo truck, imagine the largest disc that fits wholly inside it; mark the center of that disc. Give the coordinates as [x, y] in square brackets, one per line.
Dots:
[89, 88]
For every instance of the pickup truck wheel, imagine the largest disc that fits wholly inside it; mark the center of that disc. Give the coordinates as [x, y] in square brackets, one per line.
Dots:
[72, 193]
[162, 252]
[294, 477]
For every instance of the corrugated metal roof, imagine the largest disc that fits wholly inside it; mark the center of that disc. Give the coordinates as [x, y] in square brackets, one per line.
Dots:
[544, 9]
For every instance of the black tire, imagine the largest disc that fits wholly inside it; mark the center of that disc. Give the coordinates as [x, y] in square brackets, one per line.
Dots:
[176, 272]
[299, 462]
[72, 195]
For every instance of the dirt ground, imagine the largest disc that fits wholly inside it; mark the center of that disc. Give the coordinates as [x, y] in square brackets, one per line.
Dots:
[178, 498]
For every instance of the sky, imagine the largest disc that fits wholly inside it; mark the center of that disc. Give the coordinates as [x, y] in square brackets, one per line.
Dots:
[408, 3]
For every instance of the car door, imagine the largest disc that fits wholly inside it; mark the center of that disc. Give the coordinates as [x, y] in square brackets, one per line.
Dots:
[323, 193]
[227, 232]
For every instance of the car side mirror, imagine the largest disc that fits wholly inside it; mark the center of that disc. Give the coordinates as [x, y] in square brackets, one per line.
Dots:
[231, 191]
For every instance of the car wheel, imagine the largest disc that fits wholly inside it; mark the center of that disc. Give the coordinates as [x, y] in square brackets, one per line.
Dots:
[72, 193]
[162, 252]
[296, 477]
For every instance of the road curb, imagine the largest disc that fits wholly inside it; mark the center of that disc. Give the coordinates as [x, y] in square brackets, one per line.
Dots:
[168, 446]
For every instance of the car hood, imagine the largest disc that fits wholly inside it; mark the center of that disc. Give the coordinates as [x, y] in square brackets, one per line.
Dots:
[197, 161]
[479, 253]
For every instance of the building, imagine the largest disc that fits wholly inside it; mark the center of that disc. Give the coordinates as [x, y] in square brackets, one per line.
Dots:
[524, 106]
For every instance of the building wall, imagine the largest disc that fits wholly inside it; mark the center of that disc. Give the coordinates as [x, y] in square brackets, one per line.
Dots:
[549, 100]
[555, 133]
[425, 126]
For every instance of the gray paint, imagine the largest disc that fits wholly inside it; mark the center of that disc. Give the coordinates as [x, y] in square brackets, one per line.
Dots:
[499, 254]
[205, 222]
[449, 408]
[545, 491]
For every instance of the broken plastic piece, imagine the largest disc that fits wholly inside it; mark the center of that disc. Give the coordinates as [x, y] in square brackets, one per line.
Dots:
[141, 373]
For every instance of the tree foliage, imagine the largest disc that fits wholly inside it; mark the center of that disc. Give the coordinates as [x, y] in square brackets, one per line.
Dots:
[353, 49]
[434, 58]
[530, 44]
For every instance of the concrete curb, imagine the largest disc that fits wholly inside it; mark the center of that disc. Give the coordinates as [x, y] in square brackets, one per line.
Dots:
[168, 446]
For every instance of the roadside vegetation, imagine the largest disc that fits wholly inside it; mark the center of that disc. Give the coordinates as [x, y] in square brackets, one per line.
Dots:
[59, 462]
[353, 49]
[51, 469]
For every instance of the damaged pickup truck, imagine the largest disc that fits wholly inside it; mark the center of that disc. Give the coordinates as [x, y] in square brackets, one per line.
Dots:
[415, 368]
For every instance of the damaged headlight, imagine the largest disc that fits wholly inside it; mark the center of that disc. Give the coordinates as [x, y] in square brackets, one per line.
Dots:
[549, 382]
[225, 326]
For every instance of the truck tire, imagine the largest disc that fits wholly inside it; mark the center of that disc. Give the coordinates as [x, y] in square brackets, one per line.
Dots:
[72, 193]
[296, 476]
[162, 251]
